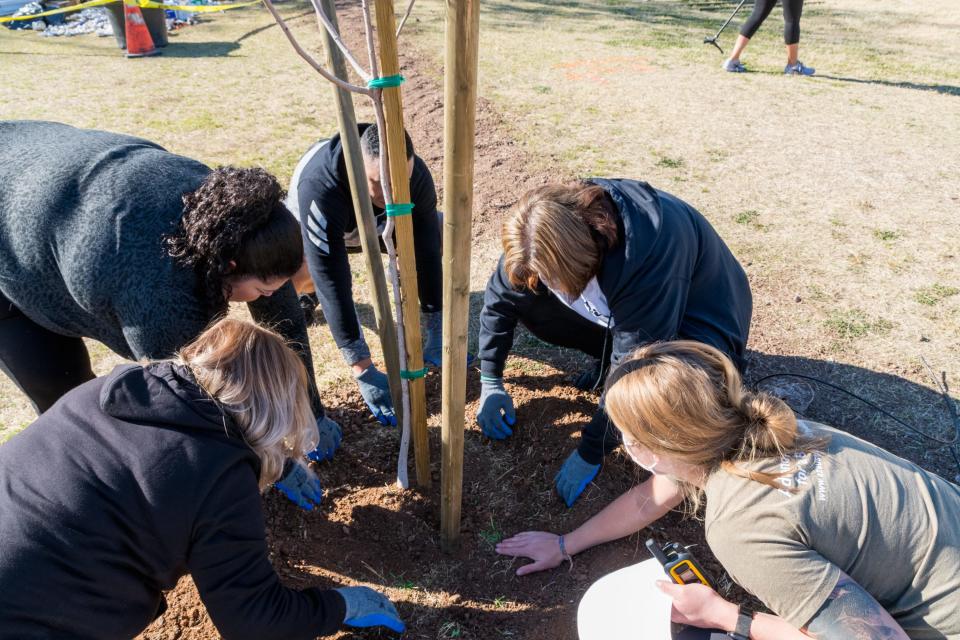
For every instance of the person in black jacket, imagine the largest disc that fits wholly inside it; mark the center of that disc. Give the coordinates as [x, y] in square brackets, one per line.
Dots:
[111, 237]
[158, 473]
[604, 266]
[320, 198]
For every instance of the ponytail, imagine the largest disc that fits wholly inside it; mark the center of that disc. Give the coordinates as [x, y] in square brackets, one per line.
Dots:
[686, 400]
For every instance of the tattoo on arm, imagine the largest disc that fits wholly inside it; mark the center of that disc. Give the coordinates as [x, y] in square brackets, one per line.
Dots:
[850, 613]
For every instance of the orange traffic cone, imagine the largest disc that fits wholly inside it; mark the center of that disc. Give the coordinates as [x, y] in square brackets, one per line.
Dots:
[139, 42]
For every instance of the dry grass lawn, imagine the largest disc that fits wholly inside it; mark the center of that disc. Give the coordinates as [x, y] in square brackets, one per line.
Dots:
[839, 193]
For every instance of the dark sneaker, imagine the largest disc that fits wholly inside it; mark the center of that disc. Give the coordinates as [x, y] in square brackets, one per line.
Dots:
[592, 378]
[799, 394]
[309, 304]
[733, 66]
[798, 70]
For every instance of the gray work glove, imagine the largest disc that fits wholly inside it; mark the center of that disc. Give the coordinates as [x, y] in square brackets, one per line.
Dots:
[496, 414]
[368, 608]
[375, 389]
[329, 436]
[301, 487]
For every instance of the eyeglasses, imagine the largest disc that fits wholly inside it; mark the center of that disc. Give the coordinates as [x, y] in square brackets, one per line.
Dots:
[640, 454]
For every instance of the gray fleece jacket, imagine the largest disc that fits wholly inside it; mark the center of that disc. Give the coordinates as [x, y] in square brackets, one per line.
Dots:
[82, 219]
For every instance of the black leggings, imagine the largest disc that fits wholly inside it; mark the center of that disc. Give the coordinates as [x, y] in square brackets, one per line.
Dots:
[43, 364]
[791, 19]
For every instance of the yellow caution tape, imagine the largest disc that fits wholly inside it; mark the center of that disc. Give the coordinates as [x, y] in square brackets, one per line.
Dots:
[143, 4]
[76, 7]
[194, 8]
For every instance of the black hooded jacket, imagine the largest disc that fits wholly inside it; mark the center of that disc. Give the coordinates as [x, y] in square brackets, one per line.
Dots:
[127, 483]
[669, 277]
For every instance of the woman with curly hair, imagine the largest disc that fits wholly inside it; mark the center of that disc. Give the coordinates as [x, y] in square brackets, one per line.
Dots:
[111, 237]
[159, 473]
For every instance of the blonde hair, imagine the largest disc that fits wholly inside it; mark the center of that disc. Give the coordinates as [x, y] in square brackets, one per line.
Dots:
[261, 384]
[686, 400]
[560, 232]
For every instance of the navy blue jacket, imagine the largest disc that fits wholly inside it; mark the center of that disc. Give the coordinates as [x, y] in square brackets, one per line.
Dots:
[127, 483]
[326, 214]
[670, 276]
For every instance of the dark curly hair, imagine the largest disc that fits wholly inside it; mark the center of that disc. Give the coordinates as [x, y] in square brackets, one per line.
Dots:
[235, 215]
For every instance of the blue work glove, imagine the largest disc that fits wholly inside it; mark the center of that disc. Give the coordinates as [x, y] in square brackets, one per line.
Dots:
[368, 608]
[496, 414]
[330, 435]
[574, 476]
[433, 340]
[375, 389]
[301, 487]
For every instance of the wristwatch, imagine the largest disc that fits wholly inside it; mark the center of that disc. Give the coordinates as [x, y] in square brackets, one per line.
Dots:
[742, 630]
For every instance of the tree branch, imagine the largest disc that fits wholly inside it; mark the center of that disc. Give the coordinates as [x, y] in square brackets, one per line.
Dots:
[368, 29]
[405, 16]
[310, 59]
[335, 35]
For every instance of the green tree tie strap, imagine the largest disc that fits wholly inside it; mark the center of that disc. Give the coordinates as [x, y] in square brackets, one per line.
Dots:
[413, 375]
[403, 209]
[386, 82]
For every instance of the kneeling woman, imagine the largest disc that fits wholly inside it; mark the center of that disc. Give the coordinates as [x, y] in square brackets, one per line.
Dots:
[603, 267]
[838, 537]
[151, 472]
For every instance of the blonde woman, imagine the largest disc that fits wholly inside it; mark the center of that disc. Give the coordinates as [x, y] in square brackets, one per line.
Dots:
[157, 471]
[839, 538]
[604, 266]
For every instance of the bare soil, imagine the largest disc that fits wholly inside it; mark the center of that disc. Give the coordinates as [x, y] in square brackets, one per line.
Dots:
[370, 532]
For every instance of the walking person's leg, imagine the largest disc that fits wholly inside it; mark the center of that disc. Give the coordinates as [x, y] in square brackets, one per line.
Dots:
[761, 9]
[43, 364]
[792, 10]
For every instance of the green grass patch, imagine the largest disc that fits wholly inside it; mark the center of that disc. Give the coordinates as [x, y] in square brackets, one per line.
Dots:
[934, 293]
[854, 323]
[492, 534]
[450, 629]
[670, 163]
[886, 235]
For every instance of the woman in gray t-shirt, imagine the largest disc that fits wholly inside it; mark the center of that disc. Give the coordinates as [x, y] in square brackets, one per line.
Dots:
[840, 538]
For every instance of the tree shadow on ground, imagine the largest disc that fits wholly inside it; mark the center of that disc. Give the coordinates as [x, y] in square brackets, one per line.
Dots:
[199, 49]
[918, 405]
[689, 15]
[944, 89]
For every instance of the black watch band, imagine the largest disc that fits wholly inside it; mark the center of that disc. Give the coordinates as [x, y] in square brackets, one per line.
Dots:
[742, 630]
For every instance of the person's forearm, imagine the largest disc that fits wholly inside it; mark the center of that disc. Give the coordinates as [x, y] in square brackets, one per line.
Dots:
[634, 510]
[764, 626]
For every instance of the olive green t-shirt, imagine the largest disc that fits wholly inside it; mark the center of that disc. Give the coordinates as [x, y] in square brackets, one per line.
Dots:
[888, 524]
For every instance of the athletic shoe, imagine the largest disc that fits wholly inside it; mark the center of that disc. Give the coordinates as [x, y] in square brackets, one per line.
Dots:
[733, 66]
[591, 379]
[308, 304]
[798, 394]
[798, 70]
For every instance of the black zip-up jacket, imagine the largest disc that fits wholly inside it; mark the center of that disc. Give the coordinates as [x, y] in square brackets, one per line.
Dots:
[127, 483]
[326, 214]
[669, 277]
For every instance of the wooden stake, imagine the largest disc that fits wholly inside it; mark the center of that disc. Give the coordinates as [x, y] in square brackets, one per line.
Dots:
[460, 99]
[396, 152]
[369, 240]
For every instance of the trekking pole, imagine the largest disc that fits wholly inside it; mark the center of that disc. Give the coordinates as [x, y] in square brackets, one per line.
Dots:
[713, 40]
